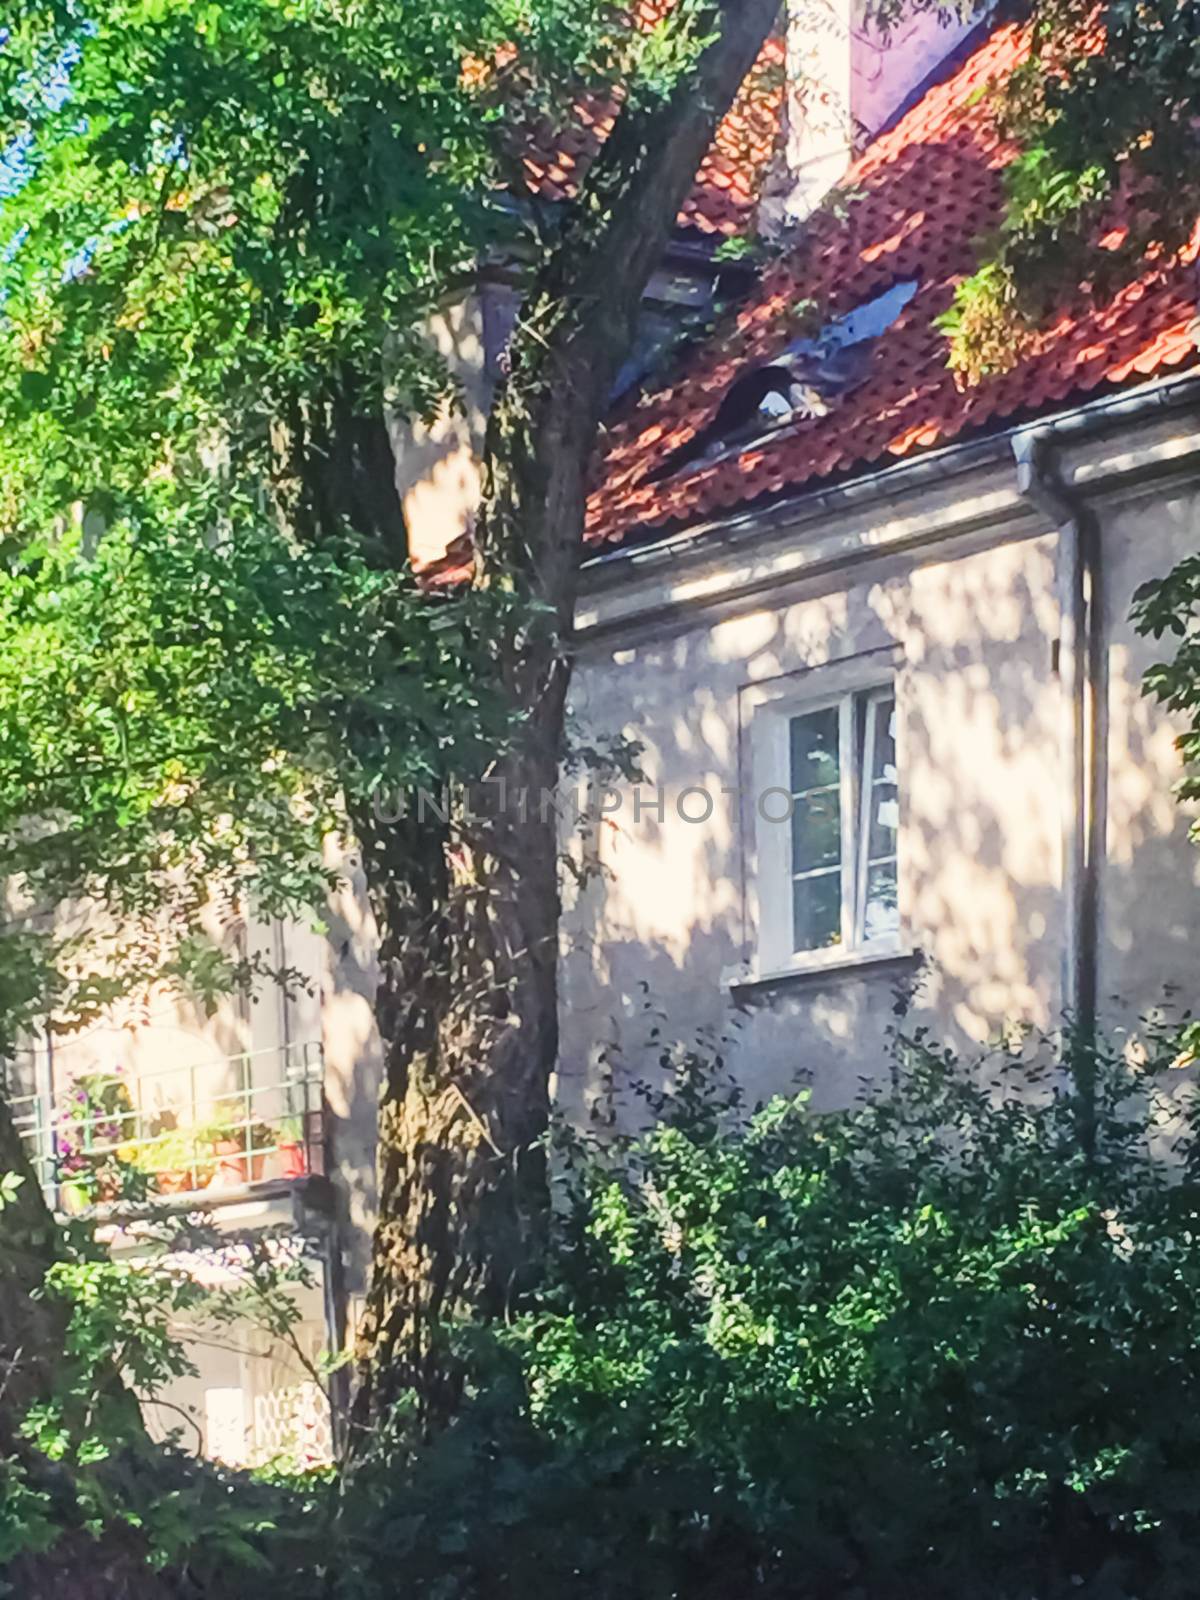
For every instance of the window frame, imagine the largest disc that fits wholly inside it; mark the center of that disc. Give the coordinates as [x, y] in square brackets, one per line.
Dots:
[771, 709]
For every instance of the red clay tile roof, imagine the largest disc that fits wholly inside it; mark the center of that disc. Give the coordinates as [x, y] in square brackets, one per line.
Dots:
[920, 194]
[726, 190]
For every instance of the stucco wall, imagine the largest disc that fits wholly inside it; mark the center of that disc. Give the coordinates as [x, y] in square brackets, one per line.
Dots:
[437, 458]
[353, 1054]
[887, 67]
[1149, 937]
[250, 1399]
[973, 623]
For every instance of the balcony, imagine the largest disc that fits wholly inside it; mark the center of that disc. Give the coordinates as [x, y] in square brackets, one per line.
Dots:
[212, 1132]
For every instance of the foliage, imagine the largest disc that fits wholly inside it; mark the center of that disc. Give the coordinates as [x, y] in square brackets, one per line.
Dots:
[1169, 607]
[921, 1346]
[217, 206]
[222, 229]
[185, 716]
[93, 1120]
[1103, 113]
[85, 1466]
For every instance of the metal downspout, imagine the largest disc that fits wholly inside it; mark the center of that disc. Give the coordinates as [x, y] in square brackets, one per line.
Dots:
[1081, 673]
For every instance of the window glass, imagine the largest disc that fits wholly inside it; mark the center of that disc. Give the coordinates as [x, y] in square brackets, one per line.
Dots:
[816, 829]
[880, 822]
[817, 911]
[816, 759]
[836, 896]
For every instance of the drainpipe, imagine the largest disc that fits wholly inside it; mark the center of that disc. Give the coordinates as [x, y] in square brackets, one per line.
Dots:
[1081, 672]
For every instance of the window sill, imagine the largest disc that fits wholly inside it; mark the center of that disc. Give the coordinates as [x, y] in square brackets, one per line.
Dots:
[821, 967]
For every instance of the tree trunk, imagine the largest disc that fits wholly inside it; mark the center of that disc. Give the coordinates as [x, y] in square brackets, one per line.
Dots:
[469, 908]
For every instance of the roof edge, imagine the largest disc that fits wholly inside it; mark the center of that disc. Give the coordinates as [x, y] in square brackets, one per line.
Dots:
[609, 568]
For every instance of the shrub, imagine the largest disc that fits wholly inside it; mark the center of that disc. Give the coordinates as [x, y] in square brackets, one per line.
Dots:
[928, 1346]
[942, 1344]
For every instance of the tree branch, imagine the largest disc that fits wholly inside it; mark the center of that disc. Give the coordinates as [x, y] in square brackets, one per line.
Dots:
[580, 319]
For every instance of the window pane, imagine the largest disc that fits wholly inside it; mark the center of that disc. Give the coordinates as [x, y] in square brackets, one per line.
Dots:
[878, 914]
[817, 830]
[882, 913]
[815, 763]
[817, 911]
[884, 765]
[885, 821]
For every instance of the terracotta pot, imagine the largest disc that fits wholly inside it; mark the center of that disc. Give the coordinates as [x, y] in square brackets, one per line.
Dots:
[234, 1167]
[231, 1164]
[293, 1162]
[177, 1182]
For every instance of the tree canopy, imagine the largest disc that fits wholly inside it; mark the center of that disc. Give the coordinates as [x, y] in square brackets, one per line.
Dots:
[221, 230]
[1102, 115]
[223, 233]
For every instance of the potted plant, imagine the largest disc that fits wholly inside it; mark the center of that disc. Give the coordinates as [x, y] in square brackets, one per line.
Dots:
[241, 1151]
[91, 1140]
[177, 1160]
[74, 1195]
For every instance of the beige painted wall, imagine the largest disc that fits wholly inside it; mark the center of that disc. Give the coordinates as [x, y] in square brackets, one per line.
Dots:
[437, 471]
[250, 1399]
[1149, 942]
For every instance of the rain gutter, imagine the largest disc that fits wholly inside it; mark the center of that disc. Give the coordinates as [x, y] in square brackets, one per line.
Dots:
[937, 467]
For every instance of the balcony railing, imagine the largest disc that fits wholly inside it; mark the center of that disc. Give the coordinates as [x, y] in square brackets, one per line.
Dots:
[178, 1131]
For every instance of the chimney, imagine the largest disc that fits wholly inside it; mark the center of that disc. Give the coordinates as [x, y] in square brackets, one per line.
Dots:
[847, 78]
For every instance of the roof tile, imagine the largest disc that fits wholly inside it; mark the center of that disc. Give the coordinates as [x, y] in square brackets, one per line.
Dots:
[920, 195]
[725, 195]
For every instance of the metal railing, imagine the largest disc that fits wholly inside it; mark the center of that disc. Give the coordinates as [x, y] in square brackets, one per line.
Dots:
[178, 1130]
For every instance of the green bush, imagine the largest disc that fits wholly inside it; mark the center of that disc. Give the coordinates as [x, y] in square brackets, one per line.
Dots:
[943, 1343]
[82, 1486]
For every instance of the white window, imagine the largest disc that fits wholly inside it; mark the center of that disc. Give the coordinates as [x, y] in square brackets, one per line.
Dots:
[827, 825]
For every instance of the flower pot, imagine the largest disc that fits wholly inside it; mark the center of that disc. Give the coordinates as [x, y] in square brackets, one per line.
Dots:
[178, 1181]
[231, 1164]
[234, 1167]
[291, 1159]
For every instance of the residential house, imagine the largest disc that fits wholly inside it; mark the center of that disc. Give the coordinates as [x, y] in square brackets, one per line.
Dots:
[163, 1105]
[879, 628]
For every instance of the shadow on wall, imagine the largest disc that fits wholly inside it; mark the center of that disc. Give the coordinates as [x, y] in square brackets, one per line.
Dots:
[1148, 932]
[979, 711]
[353, 1062]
